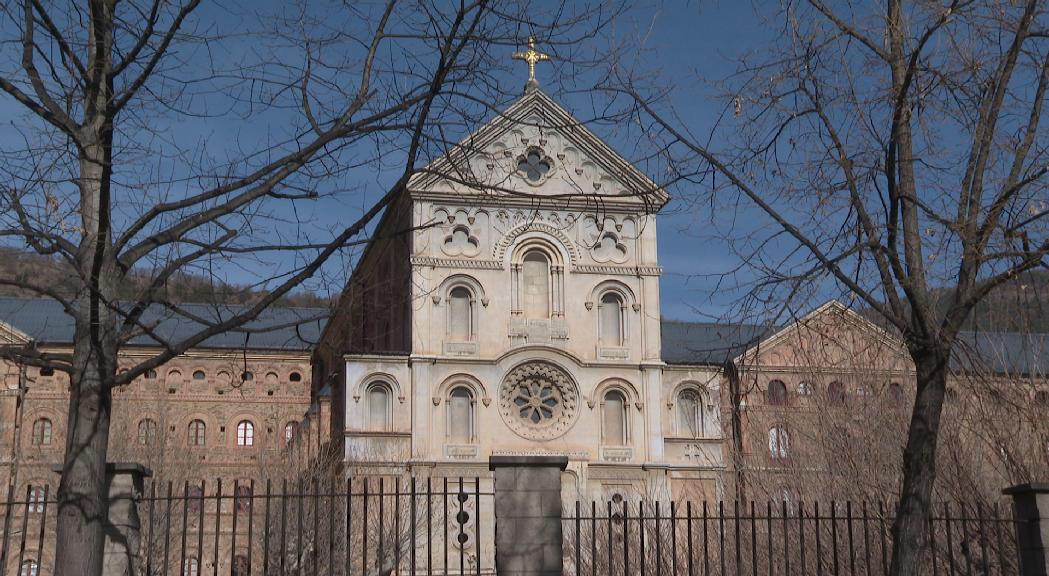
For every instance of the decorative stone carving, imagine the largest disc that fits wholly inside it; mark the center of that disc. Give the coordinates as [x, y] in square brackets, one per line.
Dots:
[538, 400]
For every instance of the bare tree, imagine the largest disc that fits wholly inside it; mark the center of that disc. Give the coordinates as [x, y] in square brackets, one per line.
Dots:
[892, 154]
[115, 165]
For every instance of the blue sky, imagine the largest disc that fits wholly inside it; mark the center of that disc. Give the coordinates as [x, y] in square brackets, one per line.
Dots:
[679, 43]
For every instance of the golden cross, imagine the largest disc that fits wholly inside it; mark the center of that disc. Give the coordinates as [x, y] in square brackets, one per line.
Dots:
[532, 56]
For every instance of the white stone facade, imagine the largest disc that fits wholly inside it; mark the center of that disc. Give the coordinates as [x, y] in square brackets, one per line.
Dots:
[533, 320]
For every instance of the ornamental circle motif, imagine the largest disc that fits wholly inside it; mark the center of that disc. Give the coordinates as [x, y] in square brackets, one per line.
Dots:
[538, 400]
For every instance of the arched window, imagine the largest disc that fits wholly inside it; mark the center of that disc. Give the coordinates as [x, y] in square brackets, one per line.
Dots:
[147, 432]
[29, 568]
[42, 432]
[460, 315]
[195, 497]
[196, 433]
[610, 319]
[47, 371]
[241, 566]
[777, 393]
[614, 419]
[295, 377]
[37, 496]
[690, 413]
[190, 567]
[150, 374]
[805, 389]
[836, 394]
[244, 497]
[247, 376]
[199, 375]
[290, 429]
[536, 285]
[895, 392]
[378, 406]
[245, 434]
[460, 415]
[779, 443]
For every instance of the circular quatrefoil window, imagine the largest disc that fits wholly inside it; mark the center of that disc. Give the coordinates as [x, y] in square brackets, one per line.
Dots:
[535, 166]
[538, 400]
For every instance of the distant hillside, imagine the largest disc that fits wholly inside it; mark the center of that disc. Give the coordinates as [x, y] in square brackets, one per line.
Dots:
[180, 288]
[1021, 305]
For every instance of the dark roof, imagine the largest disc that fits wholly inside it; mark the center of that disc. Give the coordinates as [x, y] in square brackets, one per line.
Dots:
[707, 342]
[1002, 352]
[45, 321]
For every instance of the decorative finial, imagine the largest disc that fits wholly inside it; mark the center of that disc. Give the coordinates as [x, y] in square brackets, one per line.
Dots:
[532, 56]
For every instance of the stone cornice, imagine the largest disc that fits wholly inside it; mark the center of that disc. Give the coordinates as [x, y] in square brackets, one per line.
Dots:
[467, 263]
[619, 270]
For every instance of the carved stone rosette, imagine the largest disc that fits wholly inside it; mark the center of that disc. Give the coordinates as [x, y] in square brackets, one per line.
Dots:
[538, 400]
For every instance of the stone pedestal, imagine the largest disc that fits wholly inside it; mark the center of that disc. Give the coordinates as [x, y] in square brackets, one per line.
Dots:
[528, 515]
[1031, 514]
[123, 529]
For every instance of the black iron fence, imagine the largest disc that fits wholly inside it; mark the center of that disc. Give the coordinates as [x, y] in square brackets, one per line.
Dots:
[367, 526]
[748, 539]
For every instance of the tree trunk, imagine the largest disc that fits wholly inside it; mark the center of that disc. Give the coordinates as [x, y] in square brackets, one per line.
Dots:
[82, 492]
[909, 530]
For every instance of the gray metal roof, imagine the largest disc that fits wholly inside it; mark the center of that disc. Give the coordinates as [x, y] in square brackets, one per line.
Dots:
[707, 342]
[45, 321]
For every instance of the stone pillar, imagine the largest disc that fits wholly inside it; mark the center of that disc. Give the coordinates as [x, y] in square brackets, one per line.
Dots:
[123, 536]
[1031, 514]
[528, 515]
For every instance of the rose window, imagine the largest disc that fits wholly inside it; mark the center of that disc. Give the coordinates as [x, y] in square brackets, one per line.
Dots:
[538, 400]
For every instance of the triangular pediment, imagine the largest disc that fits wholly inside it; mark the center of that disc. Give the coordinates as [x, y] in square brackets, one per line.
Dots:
[536, 148]
[831, 336]
[10, 335]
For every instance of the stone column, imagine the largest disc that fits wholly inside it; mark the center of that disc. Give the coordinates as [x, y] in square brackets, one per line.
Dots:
[1031, 514]
[122, 528]
[528, 515]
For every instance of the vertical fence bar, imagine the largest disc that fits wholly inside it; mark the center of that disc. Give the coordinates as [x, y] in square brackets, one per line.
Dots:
[300, 560]
[965, 541]
[167, 531]
[950, 538]
[593, 539]
[218, 515]
[1001, 544]
[461, 498]
[768, 532]
[706, 555]
[349, 527]
[477, 524]
[932, 540]
[8, 507]
[884, 548]
[364, 529]
[316, 526]
[736, 529]
[721, 535]
[801, 533]
[852, 549]
[412, 505]
[834, 535]
[642, 558]
[866, 541]
[40, 534]
[185, 527]
[251, 525]
[753, 542]
[25, 528]
[266, 530]
[233, 524]
[688, 529]
[578, 543]
[819, 541]
[333, 491]
[610, 547]
[445, 536]
[626, 538]
[429, 526]
[149, 532]
[283, 523]
[673, 538]
[984, 559]
[659, 543]
[397, 525]
[200, 526]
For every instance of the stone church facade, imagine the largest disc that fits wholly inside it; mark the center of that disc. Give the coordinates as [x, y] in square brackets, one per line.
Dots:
[509, 304]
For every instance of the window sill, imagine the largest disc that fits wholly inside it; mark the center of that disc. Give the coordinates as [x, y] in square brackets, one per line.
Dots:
[617, 453]
[460, 451]
[614, 352]
[460, 348]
